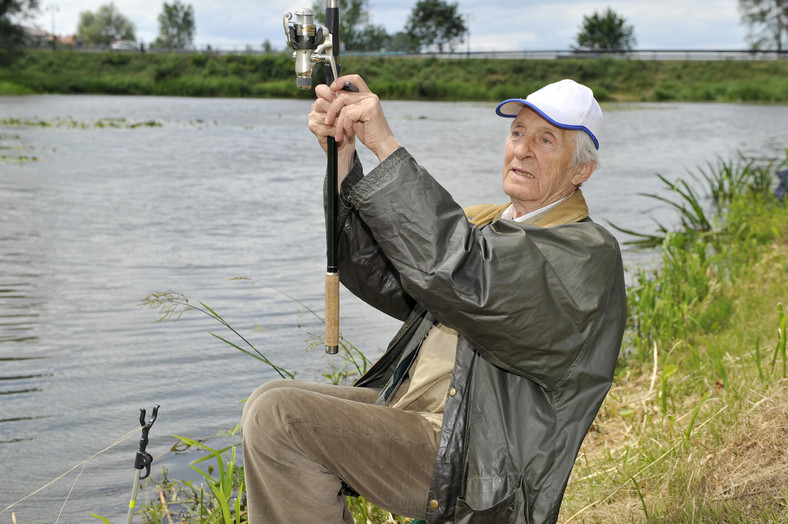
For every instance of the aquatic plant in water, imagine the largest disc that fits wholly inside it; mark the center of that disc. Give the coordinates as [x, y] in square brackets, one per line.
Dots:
[11, 150]
[70, 123]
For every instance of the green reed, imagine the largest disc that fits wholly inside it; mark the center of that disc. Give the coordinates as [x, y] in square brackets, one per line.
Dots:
[219, 498]
[728, 179]
[780, 346]
[723, 182]
[714, 243]
[227, 486]
[171, 305]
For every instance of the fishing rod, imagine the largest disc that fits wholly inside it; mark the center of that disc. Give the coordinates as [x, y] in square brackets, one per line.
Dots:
[312, 43]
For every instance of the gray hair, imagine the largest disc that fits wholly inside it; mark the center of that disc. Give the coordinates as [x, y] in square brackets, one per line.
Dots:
[585, 150]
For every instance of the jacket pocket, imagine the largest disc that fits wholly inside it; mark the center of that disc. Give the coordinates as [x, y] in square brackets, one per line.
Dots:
[511, 510]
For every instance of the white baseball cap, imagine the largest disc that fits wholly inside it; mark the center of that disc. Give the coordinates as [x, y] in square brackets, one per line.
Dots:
[565, 104]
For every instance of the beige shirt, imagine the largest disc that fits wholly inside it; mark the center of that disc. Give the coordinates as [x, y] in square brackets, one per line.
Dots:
[424, 389]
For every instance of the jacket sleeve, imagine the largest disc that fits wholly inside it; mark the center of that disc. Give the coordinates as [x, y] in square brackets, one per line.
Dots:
[527, 298]
[363, 268]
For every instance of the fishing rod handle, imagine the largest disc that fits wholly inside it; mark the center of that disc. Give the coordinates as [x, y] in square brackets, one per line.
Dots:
[332, 313]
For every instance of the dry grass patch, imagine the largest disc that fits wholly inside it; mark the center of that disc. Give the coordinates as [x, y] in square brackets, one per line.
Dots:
[736, 476]
[752, 466]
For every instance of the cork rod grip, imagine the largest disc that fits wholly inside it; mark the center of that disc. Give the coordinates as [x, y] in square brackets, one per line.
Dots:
[332, 313]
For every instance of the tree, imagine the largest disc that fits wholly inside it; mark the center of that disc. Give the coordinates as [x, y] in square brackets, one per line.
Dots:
[402, 42]
[11, 12]
[372, 38]
[356, 30]
[176, 26]
[435, 24]
[606, 31]
[104, 26]
[767, 20]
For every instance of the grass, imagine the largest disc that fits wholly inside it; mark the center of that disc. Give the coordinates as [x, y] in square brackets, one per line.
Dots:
[171, 305]
[202, 74]
[695, 428]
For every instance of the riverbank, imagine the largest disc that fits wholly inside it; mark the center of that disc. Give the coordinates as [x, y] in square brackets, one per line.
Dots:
[406, 78]
[695, 427]
[699, 434]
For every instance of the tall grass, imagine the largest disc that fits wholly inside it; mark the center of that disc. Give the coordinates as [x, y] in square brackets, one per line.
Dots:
[715, 243]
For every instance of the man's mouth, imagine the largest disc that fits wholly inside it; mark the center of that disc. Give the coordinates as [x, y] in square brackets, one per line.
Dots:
[522, 173]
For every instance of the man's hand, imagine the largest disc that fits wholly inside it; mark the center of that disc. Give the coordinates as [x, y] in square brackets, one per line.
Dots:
[346, 115]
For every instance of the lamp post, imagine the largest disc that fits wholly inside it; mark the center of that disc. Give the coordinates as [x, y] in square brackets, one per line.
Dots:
[467, 18]
[53, 8]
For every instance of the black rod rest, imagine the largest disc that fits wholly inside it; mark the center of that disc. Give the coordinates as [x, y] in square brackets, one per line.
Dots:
[143, 458]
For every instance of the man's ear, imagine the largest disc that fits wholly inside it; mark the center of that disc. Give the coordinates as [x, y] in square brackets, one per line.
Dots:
[583, 172]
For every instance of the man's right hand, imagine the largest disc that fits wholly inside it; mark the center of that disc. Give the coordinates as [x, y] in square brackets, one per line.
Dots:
[317, 125]
[346, 115]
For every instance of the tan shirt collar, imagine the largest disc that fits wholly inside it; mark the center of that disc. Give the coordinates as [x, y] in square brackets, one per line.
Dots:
[572, 209]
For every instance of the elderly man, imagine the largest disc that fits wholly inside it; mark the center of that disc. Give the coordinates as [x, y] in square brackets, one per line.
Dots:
[513, 317]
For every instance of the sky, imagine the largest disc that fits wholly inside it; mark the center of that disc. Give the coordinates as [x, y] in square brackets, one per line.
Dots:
[494, 24]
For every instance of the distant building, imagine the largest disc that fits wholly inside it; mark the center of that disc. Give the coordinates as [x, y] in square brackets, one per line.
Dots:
[69, 40]
[34, 36]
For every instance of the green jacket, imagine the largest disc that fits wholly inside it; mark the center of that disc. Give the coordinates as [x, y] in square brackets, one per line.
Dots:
[540, 314]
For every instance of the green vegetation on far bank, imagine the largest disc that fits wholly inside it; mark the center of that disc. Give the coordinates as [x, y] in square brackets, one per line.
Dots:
[272, 75]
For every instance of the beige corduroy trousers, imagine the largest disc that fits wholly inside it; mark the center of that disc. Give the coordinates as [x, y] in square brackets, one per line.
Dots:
[302, 439]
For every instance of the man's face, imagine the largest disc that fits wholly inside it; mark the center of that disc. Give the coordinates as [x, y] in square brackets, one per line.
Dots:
[537, 166]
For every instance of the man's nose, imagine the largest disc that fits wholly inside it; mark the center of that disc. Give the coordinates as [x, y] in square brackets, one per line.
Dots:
[523, 149]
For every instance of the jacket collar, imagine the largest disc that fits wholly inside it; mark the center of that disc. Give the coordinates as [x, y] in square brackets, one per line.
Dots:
[573, 209]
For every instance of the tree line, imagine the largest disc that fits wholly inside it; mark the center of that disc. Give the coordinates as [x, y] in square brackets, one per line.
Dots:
[436, 25]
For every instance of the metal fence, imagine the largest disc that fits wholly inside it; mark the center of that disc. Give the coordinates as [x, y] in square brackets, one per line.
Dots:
[639, 54]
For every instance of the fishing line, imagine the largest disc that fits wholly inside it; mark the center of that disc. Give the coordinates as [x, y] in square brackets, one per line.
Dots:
[84, 462]
[69, 493]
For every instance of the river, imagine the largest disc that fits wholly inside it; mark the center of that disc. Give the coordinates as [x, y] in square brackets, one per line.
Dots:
[105, 199]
